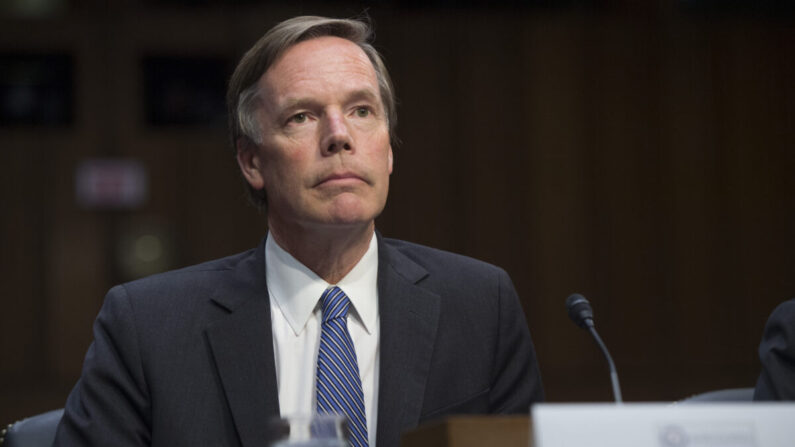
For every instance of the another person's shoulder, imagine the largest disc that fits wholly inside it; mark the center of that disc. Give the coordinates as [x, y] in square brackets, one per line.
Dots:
[777, 355]
[785, 311]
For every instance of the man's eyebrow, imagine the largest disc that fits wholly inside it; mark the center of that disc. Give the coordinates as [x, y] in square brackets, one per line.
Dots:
[363, 94]
[297, 103]
[284, 109]
[294, 103]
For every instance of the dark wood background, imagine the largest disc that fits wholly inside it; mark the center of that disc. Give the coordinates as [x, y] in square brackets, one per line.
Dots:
[642, 156]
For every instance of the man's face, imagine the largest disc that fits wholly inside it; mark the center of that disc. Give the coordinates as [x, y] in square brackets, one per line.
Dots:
[325, 158]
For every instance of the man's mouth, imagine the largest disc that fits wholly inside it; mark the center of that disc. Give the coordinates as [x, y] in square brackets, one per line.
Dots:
[341, 179]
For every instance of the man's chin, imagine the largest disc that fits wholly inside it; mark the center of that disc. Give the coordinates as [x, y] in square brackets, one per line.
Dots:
[343, 212]
[349, 220]
[351, 210]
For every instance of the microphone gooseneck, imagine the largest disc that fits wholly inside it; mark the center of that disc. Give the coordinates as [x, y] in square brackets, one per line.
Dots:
[581, 314]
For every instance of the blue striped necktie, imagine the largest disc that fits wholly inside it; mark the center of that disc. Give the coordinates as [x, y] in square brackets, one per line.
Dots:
[339, 387]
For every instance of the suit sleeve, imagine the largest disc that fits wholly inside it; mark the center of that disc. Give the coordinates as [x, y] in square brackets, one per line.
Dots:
[516, 383]
[109, 405]
[777, 354]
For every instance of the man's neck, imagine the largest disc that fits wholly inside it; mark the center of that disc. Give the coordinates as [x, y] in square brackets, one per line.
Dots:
[330, 253]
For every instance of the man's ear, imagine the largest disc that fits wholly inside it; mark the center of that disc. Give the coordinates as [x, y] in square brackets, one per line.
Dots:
[250, 162]
[390, 159]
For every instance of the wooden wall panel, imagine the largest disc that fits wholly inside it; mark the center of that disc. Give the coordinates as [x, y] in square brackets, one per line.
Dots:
[557, 236]
[689, 128]
[21, 258]
[419, 207]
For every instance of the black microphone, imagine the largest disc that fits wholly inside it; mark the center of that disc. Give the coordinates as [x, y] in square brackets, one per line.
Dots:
[581, 313]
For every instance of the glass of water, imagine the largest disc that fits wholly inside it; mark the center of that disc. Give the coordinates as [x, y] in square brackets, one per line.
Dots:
[317, 430]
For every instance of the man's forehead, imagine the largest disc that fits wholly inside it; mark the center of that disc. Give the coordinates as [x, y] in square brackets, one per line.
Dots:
[318, 57]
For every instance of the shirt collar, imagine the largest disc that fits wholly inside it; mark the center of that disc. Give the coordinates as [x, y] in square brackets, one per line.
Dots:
[297, 290]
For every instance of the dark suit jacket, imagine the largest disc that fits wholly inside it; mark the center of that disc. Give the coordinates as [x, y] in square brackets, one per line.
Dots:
[185, 358]
[777, 353]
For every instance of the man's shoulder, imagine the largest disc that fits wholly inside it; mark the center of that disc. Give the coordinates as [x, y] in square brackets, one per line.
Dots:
[206, 275]
[183, 295]
[437, 260]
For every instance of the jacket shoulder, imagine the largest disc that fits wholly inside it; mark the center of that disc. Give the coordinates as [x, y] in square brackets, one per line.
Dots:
[220, 265]
[194, 283]
[434, 259]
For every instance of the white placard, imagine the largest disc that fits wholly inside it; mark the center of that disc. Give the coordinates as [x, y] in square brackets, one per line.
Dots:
[664, 425]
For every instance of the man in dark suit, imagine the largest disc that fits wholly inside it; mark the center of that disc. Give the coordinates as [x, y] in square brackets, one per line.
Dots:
[777, 354]
[208, 354]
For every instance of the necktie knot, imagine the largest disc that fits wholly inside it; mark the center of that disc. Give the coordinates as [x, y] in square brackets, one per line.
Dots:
[334, 304]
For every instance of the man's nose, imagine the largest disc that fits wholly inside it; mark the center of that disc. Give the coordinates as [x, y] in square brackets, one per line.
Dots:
[336, 136]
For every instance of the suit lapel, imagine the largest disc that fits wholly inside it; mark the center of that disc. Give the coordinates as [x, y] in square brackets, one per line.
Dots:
[242, 348]
[409, 317]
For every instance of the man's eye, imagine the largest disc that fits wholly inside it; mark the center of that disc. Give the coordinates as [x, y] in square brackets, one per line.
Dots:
[362, 112]
[298, 118]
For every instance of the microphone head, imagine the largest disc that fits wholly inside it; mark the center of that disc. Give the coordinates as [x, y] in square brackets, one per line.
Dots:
[580, 310]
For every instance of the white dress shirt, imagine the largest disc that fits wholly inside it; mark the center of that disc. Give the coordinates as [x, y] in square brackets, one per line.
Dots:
[296, 315]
